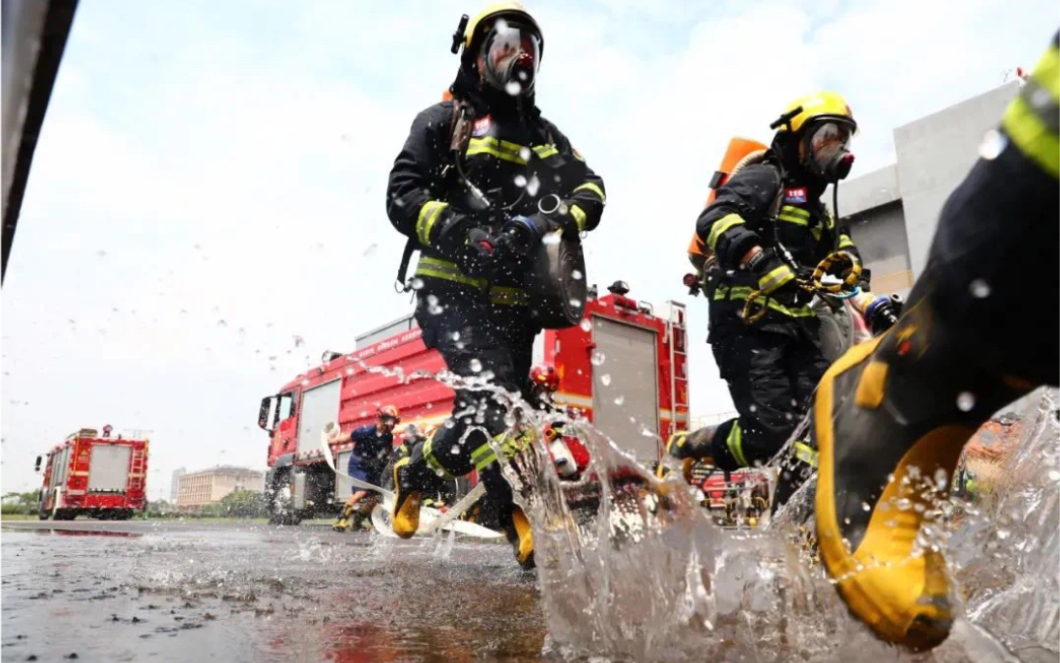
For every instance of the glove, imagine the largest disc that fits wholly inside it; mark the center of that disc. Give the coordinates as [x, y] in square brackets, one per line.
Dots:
[882, 313]
[477, 256]
[775, 278]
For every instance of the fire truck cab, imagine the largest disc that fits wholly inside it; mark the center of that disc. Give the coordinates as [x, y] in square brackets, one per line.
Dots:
[622, 362]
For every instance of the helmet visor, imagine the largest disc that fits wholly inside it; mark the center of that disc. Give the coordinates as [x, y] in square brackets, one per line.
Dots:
[511, 53]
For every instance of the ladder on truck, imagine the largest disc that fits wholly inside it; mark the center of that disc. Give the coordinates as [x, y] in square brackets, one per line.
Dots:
[677, 342]
[137, 469]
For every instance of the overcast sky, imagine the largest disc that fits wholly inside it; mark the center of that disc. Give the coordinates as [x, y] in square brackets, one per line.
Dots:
[208, 189]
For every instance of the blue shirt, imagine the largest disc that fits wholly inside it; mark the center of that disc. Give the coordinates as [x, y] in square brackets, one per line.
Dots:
[371, 449]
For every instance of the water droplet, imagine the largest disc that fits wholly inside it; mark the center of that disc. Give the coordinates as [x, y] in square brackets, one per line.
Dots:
[101, 253]
[606, 379]
[476, 365]
[866, 507]
[576, 275]
[904, 504]
[965, 401]
[979, 288]
[417, 284]
[1054, 475]
[789, 416]
[298, 341]
[432, 305]
[598, 358]
[222, 323]
[533, 185]
[575, 302]
[1003, 534]
[524, 153]
[993, 145]
[753, 408]
[513, 88]
[620, 400]
[1041, 98]
[586, 325]
[520, 181]
[455, 449]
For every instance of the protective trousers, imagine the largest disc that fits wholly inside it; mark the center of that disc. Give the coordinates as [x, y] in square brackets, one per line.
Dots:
[771, 377]
[477, 339]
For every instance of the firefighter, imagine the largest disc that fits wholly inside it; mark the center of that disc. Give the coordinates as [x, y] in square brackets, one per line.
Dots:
[372, 446]
[891, 417]
[768, 230]
[471, 189]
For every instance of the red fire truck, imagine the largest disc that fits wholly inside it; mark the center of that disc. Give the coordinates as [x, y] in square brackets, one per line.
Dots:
[623, 362]
[102, 476]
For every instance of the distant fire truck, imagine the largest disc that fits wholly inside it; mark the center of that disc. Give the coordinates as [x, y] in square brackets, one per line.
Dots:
[622, 363]
[101, 476]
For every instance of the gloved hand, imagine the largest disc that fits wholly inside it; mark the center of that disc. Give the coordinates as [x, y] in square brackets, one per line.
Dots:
[882, 313]
[775, 278]
[477, 256]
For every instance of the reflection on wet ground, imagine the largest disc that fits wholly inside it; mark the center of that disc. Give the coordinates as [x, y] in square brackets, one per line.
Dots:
[178, 592]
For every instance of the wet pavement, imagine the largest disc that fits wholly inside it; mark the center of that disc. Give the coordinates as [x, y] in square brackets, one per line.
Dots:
[183, 591]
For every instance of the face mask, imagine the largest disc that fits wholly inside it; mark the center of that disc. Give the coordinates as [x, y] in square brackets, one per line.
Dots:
[827, 151]
[510, 56]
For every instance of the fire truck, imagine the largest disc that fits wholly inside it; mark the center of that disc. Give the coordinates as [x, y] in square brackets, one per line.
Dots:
[101, 476]
[624, 368]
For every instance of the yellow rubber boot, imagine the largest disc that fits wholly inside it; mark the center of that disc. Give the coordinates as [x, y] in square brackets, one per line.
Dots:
[889, 428]
[406, 514]
[344, 520]
[522, 539]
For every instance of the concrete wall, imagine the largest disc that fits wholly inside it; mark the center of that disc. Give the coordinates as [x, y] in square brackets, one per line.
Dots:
[934, 154]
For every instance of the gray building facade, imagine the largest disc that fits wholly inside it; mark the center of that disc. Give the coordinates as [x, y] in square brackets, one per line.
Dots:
[893, 211]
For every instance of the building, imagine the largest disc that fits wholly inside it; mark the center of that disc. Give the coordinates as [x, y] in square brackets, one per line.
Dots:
[174, 486]
[893, 211]
[198, 489]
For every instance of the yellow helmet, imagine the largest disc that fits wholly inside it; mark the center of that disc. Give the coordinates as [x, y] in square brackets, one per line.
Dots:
[818, 106]
[497, 10]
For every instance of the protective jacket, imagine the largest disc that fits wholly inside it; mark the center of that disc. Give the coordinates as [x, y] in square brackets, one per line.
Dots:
[474, 162]
[769, 206]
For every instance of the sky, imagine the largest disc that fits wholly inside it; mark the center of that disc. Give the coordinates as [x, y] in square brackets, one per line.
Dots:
[206, 210]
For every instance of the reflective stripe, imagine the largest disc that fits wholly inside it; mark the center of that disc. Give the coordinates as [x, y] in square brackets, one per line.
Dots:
[589, 186]
[501, 149]
[509, 445]
[432, 461]
[1032, 119]
[443, 269]
[845, 241]
[579, 216]
[793, 219]
[735, 444]
[776, 278]
[742, 292]
[796, 211]
[425, 221]
[508, 296]
[720, 226]
[545, 151]
[806, 454]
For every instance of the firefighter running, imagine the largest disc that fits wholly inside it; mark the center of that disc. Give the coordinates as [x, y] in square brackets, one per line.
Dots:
[372, 447]
[891, 417]
[467, 189]
[767, 231]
